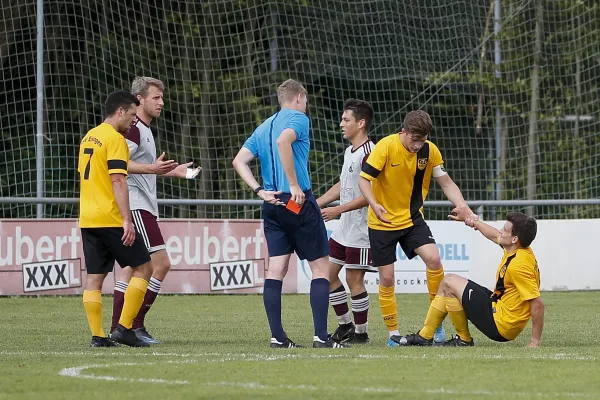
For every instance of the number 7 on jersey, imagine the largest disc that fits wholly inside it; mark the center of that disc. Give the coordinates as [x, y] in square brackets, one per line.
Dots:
[90, 151]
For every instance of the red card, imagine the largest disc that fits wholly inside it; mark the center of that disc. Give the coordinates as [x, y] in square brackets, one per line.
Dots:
[293, 207]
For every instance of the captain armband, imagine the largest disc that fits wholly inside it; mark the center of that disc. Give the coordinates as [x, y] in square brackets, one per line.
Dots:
[439, 170]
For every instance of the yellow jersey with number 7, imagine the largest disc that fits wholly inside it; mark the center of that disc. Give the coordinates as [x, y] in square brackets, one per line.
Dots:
[102, 152]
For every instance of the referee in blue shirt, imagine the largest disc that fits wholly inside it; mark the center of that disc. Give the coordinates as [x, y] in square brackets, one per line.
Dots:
[292, 218]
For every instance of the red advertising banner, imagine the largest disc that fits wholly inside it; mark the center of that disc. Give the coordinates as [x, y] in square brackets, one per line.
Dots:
[45, 257]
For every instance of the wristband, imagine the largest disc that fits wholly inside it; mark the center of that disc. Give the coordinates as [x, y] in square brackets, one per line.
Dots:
[191, 173]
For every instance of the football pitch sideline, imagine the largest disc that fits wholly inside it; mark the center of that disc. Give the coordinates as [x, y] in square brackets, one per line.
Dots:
[217, 347]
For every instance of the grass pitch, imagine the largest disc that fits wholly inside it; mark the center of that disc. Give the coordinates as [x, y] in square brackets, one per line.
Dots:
[217, 347]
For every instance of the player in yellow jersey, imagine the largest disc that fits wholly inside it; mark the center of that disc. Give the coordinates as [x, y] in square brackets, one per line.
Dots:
[500, 315]
[395, 181]
[106, 224]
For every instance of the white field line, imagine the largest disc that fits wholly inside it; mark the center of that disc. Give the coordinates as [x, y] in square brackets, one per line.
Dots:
[77, 372]
[489, 393]
[301, 355]
[100, 353]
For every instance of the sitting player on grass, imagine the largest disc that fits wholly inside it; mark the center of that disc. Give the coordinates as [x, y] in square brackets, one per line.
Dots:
[500, 315]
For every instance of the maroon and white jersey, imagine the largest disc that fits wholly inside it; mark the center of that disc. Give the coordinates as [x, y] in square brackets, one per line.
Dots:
[353, 230]
[142, 187]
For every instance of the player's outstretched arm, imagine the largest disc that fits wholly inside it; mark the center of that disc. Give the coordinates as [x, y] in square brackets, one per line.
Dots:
[121, 191]
[537, 321]
[452, 191]
[183, 171]
[486, 230]
[331, 195]
[160, 166]
[466, 215]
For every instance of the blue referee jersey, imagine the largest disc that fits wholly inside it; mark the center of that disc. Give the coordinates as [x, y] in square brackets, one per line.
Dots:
[263, 144]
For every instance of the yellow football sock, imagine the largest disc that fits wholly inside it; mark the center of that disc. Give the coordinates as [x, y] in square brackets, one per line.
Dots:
[436, 314]
[92, 302]
[134, 297]
[458, 318]
[389, 310]
[434, 278]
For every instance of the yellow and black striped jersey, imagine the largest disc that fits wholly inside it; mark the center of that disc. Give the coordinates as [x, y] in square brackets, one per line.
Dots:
[400, 181]
[517, 282]
[103, 151]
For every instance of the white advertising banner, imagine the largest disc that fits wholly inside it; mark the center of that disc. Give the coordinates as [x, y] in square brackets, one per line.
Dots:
[207, 256]
[456, 246]
[563, 248]
[216, 256]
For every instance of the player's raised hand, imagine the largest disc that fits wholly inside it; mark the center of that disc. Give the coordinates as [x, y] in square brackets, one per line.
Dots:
[464, 214]
[162, 167]
[461, 213]
[191, 173]
[329, 213]
[128, 233]
[379, 211]
[184, 171]
[470, 221]
[297, 194]
[271, 197]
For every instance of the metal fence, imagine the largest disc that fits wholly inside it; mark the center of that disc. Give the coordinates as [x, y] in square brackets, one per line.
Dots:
[434, 210]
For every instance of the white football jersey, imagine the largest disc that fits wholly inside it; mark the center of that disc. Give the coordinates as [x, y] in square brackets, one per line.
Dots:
[142, 187]
[353, 230]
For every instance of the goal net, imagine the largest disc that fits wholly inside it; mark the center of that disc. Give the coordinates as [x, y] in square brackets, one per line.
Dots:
[512, 87]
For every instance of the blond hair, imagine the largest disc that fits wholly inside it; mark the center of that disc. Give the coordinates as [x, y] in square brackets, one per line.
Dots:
[288, 90]
[141, 84]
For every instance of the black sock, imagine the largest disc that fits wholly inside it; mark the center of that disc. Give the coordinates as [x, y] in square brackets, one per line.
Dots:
[319, 302]
[272, 301]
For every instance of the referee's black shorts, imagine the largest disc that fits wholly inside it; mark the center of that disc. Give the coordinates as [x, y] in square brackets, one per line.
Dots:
[303, 233]
[102, 246]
